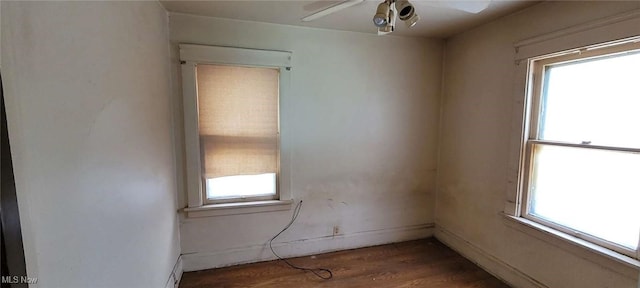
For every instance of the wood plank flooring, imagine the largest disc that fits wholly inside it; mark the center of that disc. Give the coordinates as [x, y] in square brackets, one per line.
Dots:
[420, 263]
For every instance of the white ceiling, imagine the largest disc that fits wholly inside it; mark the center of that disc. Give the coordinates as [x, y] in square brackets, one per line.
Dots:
[437, 20]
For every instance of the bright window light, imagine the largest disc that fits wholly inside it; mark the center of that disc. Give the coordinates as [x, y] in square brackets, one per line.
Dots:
[596, 101]
[238, 128]
[593, 191]
[584, 149]
[241, 186]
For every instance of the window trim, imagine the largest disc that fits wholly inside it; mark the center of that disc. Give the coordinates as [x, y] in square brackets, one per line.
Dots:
[535, 78]
[577, 246]
[224, 209]
[190, 56]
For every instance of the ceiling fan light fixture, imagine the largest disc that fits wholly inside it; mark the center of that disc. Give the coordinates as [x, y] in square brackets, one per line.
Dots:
[412, 20]
[407, 13]
[391, 23]
[381, 19]
[405, 9]
[384, 30]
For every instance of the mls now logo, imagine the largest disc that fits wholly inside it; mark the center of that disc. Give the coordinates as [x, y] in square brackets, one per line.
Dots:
[18, 280]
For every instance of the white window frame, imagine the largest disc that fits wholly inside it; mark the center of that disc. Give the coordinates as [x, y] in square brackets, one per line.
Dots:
[536, 74]
[192, 55]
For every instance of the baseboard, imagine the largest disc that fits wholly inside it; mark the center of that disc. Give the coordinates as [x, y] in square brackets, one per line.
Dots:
[176, 274]
[491, 264]
[257, 253]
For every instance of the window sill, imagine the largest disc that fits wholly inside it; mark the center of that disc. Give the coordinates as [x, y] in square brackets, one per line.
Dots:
[577, 246]
[224, 209]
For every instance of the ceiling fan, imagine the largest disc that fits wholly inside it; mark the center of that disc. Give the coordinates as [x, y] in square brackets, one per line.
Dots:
[385, 17]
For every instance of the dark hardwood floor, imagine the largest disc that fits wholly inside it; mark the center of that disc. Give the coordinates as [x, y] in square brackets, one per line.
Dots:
[420, 263]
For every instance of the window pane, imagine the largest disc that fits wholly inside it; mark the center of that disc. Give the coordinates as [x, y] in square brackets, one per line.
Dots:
[593, 191]
[241, 186]
[238, 127]
[237, 101]
[593, 100]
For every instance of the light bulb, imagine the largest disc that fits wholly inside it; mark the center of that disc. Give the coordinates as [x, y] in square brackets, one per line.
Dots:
[381, 18]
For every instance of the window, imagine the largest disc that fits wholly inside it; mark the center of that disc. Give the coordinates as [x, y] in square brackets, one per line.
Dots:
[582, 156]
[232, 130]
[238, 131]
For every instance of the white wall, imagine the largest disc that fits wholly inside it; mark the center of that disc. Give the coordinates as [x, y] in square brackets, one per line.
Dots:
[88, 103]
[362, 120]
[476, 151]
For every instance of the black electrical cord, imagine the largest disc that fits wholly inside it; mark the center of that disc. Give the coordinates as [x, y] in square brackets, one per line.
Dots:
[316, 271]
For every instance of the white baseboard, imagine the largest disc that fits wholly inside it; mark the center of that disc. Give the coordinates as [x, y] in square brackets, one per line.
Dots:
[257, 253]
[176, 274]
[491, 264]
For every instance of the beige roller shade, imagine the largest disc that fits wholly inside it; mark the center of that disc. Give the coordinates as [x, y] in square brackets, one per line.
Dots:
[238, 119]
